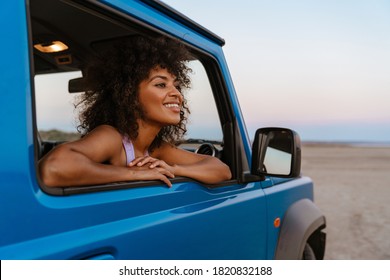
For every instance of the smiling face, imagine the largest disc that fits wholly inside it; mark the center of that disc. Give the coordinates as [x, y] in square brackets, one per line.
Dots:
[160, 98]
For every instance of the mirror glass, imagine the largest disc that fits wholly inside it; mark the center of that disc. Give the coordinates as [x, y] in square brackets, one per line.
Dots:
[278, 152]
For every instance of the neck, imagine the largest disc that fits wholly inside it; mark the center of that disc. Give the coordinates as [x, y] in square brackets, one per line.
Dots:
[146, 134]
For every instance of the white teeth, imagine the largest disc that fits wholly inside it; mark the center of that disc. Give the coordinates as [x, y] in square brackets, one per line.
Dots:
[170, 105]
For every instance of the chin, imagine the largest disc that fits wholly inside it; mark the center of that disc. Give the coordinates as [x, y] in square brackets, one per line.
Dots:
[175, 121]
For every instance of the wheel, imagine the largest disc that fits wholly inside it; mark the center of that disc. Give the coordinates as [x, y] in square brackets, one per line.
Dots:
[308, 253]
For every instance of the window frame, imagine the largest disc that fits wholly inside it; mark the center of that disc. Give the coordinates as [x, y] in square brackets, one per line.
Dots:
[219, 89]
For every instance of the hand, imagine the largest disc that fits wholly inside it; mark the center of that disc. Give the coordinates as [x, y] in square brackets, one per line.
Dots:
[149, 168]
[151, 163]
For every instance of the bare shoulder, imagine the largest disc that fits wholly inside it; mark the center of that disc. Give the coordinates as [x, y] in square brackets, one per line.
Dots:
[103, 133]
[104, 143]
[106, 129]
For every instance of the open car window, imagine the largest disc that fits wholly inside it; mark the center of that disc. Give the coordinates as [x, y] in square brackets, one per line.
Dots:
[56, 115]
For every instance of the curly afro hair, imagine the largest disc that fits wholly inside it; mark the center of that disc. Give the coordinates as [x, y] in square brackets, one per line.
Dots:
[112, 79]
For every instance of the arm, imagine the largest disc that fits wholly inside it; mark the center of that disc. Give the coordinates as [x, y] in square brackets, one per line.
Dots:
[206, 169]
[82, 162]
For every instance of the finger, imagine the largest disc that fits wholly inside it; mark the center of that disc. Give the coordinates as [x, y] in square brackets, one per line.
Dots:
[158, 163]
[139, 161]
[166, 181]
[146, 160]
[135, 161]
[166, 172]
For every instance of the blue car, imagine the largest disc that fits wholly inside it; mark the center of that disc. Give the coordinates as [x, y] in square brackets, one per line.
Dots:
[265, 211]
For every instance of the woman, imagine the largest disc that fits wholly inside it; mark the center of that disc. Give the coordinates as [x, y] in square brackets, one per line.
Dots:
[131, 116]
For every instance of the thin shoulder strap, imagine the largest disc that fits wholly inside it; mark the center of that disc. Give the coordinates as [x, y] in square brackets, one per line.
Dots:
[129, 149]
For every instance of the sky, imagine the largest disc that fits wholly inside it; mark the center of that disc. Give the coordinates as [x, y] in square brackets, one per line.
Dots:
[321, 68]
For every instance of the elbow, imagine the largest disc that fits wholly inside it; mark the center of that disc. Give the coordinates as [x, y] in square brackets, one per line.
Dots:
[52, 168]
[49, 173]
[221, 174]
[226, 174]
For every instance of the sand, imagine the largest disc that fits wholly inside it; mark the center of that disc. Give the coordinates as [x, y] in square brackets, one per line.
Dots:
[352, 188]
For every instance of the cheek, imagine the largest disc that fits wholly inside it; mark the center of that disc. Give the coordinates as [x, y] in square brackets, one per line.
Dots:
[151, 107]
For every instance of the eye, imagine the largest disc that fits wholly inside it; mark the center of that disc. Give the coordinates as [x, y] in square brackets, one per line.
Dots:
[161, 85]
[177, 85]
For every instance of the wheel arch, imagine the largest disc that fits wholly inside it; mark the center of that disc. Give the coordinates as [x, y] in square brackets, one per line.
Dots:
[302, 223]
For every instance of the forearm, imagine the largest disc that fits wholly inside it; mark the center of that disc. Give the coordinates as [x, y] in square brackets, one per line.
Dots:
[76, 170]
[209, 170]
[66, 167]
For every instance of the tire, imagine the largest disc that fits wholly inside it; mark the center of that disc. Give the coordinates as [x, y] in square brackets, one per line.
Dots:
[308, 253]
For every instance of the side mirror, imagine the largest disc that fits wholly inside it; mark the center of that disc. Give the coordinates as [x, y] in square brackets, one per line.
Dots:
[276, 152]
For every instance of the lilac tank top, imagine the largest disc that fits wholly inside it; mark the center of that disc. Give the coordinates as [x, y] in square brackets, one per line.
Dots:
[129, 150]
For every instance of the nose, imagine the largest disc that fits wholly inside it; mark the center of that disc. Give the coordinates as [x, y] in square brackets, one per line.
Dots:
[174, 92]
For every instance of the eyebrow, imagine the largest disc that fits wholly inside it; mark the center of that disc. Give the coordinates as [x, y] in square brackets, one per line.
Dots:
[161, 77]
[158, 76]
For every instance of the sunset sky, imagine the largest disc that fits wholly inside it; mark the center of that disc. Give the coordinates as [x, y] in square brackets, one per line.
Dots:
[319, 67]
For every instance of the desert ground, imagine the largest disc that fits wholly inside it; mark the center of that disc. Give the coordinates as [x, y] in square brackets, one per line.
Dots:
[352, 188]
